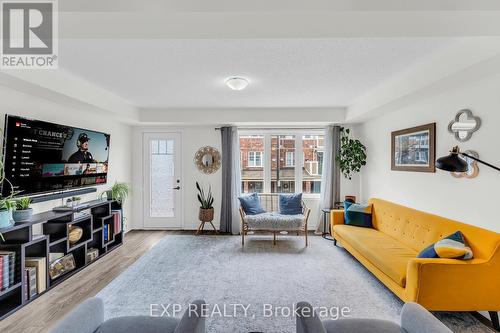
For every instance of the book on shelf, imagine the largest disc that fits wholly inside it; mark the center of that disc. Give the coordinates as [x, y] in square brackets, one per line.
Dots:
[1, 272]
[26, 285]
[55, 255]
[105, 232]
[40, 263]
[117, 220]
[9, 268]
[32, 282]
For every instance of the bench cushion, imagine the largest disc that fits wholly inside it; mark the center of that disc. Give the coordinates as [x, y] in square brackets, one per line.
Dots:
[274, 221]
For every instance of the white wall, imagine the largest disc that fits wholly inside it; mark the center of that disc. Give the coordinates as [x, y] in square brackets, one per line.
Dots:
[193, 138]
[25, 105]
[472, 201]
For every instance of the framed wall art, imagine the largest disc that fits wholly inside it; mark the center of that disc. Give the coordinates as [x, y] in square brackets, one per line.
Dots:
[414, 149]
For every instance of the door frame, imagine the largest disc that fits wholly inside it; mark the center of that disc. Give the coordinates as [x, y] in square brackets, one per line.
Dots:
[138, 177]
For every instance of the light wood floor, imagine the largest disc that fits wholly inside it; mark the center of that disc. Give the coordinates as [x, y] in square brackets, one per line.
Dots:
[48, 309]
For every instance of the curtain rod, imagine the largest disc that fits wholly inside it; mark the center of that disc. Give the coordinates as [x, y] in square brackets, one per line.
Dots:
[277, 128]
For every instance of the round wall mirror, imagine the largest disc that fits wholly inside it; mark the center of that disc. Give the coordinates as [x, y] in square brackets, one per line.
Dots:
[207, 159]
[464, 124]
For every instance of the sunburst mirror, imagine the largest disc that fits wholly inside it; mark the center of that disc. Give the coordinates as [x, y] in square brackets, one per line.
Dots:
[207, 160]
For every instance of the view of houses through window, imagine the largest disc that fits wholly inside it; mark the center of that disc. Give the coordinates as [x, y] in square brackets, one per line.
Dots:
[272, 162]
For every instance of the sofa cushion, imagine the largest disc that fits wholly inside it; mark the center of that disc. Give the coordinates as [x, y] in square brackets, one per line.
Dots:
[453, 246]
[383, 251]
[143, 324]
[290, 204]
[274, 221]
[359, 215]
[251, 204]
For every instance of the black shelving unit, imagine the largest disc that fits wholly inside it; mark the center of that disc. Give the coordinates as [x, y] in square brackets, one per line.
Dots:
[55, 227]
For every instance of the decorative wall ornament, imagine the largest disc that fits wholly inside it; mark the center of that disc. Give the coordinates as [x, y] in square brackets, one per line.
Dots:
[207, 160]
[464, 124]
[473, 167]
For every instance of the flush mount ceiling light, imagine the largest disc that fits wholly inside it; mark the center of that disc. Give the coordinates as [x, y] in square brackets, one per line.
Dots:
[237, 83]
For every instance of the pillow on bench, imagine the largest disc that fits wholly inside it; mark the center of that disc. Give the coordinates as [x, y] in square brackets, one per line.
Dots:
[251, 204]
[290, 204]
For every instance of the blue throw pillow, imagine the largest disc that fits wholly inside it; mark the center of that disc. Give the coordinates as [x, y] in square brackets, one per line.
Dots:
[453, 246]
[251, 204]
[290, 204]
[359, 215]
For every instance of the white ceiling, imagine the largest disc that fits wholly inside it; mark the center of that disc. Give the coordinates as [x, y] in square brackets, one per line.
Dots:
[183, 73]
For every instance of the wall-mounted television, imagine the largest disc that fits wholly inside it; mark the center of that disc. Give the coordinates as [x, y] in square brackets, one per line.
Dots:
[41, 157]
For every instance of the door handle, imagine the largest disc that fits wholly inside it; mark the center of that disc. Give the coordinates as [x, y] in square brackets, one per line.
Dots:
[177, 188]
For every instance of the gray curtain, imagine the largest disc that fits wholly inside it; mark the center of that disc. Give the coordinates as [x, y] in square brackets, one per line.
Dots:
[231, 180]
[330, 182]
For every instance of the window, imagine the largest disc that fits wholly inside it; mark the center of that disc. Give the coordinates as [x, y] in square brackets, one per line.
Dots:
[282, 174]
[255, 159]
[290, 159]
[312, 147]
[252, 163]
[282, 163]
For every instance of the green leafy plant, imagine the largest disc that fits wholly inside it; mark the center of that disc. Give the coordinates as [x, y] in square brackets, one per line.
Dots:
[120, 192]
[206, 199]
[23, 203]
[351, 155]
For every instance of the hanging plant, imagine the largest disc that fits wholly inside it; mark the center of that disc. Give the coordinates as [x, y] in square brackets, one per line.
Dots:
[351, 155]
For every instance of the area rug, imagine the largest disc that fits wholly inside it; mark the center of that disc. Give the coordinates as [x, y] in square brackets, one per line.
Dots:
[255, 288]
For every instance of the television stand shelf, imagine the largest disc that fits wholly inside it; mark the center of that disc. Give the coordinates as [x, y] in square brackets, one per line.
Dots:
[100, 232]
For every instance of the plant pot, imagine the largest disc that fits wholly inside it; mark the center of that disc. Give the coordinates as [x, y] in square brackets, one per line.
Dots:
[24, 215]
[109, 195]
[6, 219]
[206, 215]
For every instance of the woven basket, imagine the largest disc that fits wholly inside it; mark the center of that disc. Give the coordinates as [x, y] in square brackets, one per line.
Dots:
[206, 215]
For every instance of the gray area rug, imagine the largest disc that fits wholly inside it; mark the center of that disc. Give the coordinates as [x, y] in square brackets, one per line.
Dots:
[262, 277]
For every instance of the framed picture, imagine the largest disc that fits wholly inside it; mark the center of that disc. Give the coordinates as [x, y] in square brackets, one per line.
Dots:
[414, 149]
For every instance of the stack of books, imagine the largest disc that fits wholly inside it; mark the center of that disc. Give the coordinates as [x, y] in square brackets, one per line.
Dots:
[36, 276]
[107, 232]
[7, 269]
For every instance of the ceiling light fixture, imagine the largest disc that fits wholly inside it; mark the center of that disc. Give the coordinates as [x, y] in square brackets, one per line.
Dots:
[237, 83]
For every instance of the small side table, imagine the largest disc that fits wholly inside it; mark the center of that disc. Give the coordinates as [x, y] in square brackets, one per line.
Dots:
[326, 226]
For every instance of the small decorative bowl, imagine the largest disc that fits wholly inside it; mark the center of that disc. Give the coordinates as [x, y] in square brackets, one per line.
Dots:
[75, 233]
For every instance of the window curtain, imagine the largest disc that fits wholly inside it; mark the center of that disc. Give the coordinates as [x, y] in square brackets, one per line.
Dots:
[231, 180]
[330, 181]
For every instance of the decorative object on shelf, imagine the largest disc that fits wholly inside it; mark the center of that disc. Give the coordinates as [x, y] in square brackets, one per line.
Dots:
[6, 207]
[74, 234]
[352, 154]
[454, 163]
[207, 160]
[73, 202]
[472, 166]
[414, 149]
[61, 266]
[119, 192]
[23, 212]
[464, 125]
[92, 254]
[206, 213]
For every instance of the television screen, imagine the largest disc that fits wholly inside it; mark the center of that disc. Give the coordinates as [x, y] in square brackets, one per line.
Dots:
[45, 157]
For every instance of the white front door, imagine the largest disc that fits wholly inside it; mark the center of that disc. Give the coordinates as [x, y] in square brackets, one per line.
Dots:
[162, 180]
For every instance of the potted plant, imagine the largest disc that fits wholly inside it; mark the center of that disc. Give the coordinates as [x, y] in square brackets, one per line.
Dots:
[6, 207]
[120, 192]
[206, 200]
[22, 212]
[351, 155]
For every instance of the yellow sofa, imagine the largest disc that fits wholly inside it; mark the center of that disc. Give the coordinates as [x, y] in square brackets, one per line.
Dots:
[390, 250]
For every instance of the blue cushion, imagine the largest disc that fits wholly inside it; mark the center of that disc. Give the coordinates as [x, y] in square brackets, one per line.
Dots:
[251, 204]
[359, 215]
[290, 204]
[453, 246]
